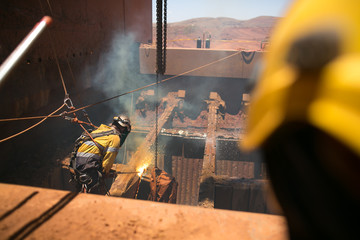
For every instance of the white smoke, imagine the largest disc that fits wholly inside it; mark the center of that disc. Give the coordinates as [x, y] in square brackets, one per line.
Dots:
[118, 73]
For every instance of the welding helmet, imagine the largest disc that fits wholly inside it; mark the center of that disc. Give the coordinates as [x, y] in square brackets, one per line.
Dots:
[310, 74]
[122, 121]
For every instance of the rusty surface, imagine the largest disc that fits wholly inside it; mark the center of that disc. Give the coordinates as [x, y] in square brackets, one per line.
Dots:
[80, 33]
[169, 102]
[240, 169]
[138, 20]
[210, 147]
[209, 125]
[218, 130]
[228, 126]
[144, 119]
[200, 122]
[38, 213]
[163, 187]
[187, 172]
[126, 184]
[252, 195]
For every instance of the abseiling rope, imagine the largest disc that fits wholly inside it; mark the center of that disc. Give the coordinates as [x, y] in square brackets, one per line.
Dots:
[17, 134]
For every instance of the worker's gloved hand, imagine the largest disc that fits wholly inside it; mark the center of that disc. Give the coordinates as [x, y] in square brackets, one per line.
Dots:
[111, 174]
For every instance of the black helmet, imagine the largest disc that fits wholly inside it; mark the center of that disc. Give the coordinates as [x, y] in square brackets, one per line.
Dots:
[123, 121]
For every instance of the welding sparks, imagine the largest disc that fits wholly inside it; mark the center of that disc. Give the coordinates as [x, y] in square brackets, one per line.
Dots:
[141, 160]
[141, 169]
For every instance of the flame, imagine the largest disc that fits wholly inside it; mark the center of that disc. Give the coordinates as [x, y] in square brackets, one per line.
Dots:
[141, 169]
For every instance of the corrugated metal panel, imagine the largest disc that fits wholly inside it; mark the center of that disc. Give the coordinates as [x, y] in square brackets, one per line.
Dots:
[244, 195]
[187, 173]
[240, 169]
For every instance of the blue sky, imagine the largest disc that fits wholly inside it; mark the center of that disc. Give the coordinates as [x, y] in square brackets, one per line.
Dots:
[179, 10]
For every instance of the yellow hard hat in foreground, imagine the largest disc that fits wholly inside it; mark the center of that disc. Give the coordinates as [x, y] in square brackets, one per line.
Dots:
[311, 74]
[304, 115]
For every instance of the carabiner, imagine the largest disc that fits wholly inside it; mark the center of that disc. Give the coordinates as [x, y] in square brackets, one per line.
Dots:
[68, 102]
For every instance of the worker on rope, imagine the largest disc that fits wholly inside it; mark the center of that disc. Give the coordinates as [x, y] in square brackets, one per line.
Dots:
[304, 115]
[95, 153]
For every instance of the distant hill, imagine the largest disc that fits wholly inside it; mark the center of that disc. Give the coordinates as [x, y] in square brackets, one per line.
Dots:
[224, 33]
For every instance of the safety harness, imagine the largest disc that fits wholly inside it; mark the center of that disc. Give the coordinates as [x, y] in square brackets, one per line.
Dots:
[78, 176]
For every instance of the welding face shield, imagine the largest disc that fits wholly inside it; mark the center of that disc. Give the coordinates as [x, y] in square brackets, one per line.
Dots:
[122, 122]
[304, 114]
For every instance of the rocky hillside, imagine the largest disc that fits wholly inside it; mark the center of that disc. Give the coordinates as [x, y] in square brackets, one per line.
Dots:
[224, 33]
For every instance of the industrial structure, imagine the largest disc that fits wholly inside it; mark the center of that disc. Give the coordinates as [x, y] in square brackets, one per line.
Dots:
[194, 114]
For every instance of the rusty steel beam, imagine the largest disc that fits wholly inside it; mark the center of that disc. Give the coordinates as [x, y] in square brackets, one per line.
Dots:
[172, 100]
[210, 146]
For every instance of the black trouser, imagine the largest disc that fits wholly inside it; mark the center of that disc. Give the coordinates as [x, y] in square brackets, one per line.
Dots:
[89, 181]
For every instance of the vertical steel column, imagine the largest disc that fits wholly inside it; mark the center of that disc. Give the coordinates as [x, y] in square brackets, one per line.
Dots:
[210, 145]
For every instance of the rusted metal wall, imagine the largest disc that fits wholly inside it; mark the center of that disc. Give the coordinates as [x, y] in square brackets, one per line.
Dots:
[232, 162]
[81, 32]
[251, 195]
[138, 20]
[235, 168]
[187, 173]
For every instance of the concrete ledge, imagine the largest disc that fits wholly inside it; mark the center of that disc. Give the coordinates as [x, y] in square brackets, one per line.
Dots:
[40, 213]
[180, 60]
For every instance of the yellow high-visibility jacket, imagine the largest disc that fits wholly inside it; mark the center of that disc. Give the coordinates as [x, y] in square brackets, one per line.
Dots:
[102, 154]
